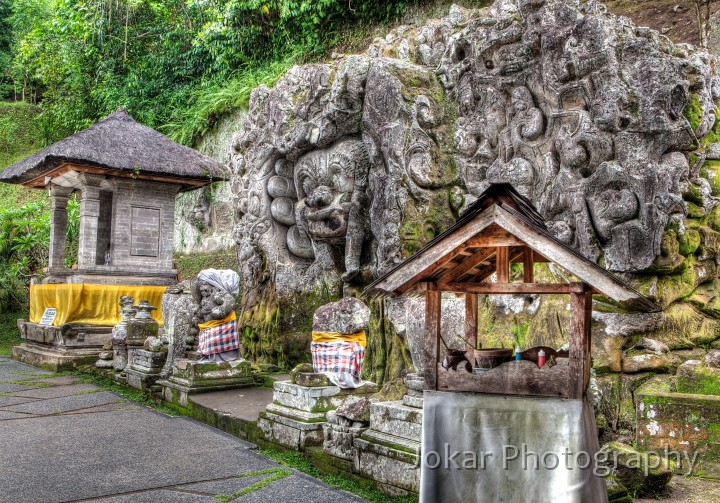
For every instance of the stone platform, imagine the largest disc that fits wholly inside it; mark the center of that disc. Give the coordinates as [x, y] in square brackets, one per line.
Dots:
[190, 377]
[60, 348]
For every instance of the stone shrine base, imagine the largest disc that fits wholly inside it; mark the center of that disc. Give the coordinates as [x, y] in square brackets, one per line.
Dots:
[60, 348]
[190, 377]
[296, 417]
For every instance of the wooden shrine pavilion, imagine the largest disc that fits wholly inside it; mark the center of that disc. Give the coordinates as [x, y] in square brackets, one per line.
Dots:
[501, 228]
[127, 176]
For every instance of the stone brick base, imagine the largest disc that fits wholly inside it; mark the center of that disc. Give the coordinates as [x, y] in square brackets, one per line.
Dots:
[680, 422]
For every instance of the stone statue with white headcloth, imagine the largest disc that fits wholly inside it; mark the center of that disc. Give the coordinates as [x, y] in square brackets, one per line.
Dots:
[215, 291]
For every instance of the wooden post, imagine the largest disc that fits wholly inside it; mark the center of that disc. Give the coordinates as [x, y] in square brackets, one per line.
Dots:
[580, 319]
[502, 264]
[432, 335]
[528, 273]
[471, 320]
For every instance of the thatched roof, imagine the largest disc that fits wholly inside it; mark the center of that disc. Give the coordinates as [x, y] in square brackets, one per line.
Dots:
[121, 146]
[465, 251]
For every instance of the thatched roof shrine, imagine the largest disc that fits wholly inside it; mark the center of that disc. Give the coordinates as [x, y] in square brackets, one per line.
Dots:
[116, 146]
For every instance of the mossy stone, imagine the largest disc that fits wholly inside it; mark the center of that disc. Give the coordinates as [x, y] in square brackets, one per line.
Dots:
[711, 171]
[695, 210]
[688, 242]
[713, 219]
[632, 467]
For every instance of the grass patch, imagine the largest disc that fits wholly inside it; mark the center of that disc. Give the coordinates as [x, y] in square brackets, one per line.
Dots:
[9, 333]
[275, 475]
[297, 461]
[130, 394]
[189, 265]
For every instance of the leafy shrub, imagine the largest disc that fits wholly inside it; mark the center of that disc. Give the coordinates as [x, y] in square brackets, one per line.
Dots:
[24, 248]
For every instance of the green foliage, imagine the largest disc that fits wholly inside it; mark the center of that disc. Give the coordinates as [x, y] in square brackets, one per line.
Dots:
[24, 242]
[176, 63]
[9, 335]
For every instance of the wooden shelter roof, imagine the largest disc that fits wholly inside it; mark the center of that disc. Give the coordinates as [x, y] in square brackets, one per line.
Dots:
[501, 226]
[119, 146]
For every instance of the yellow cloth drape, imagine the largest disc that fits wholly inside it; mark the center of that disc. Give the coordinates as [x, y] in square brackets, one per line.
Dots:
[216, 323]
[337, 337]
[90, 304]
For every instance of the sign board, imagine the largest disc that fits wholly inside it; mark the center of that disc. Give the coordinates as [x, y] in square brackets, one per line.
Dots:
[48, 316]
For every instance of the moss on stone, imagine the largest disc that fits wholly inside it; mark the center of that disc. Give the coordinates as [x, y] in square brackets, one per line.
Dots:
[694, 112]
[702, 381]
[711, 171]
[686, 327]
[713, 219]
[689, 242]
[387, 356]
[694, 195]
[713, 135]
[695, 211]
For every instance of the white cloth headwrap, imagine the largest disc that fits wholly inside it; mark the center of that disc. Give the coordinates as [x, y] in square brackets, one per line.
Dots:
[227, 279]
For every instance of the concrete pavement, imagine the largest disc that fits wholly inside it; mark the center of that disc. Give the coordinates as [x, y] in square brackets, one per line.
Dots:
[63, 440]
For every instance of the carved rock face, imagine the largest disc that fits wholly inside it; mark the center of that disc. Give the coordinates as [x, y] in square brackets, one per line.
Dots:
[325, 181]
[351, 166]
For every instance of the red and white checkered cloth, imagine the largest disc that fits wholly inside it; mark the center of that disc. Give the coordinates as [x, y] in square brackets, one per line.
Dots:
[219, 339]
[338, 357]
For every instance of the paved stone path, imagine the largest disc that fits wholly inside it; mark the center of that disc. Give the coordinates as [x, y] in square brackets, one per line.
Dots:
[64, 440]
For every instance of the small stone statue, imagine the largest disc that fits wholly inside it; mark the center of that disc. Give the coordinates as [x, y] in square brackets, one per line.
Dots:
[119, 333]
[215, 293]
[179, 309]
[338, 341]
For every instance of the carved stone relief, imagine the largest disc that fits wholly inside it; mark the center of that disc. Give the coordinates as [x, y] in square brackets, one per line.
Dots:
[344, 169]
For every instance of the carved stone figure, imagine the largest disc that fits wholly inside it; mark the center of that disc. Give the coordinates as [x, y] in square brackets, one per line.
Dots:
[214, 293]
[179, 308]
[119, 333]
[332, 208]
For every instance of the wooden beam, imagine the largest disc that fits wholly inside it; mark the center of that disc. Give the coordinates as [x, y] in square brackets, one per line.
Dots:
[502, 264]
[515, 253]
[580, 319]
[528, 272]
[508, 288]
[467, 264]
[39, 182]
[587, 271]
[432, 335]
[495, 235]
[511, 378]
[431, 259]
[471, 324]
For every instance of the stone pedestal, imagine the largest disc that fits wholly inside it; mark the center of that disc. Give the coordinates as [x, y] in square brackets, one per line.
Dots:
[339, 434]
[145, 368]
[190, 377]
[60, 348]
[389, 451]
[297, 415]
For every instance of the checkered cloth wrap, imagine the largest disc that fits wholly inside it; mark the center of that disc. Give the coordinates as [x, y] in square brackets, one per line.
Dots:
[339, 357]
[219, 339]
